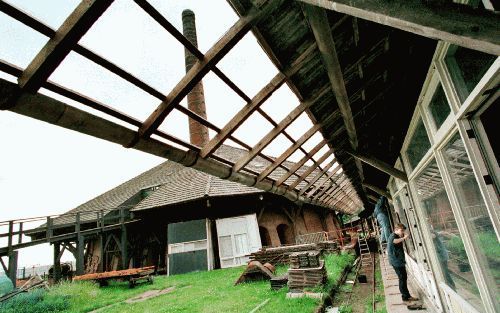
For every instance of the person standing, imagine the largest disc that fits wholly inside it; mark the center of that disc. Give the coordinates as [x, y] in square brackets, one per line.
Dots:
[396, 255]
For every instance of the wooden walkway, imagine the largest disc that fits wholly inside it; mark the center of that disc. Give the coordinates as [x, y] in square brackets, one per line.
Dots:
[393, 301]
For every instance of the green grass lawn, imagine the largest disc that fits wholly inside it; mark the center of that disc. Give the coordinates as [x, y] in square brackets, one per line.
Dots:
[205, 292]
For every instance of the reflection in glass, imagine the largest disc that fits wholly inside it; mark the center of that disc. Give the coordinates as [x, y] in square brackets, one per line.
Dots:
[403, 218]
[419, 145]
[439, 107]
[445, 235]
[475, 211]
[467, 67]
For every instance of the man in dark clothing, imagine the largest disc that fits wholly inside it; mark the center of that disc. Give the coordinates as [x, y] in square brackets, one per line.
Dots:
[396, 255]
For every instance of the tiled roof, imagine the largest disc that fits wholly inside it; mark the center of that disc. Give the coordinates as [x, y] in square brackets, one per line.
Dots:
[175, 184]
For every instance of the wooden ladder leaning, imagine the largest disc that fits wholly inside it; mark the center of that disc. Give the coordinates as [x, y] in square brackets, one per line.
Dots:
[364, 250]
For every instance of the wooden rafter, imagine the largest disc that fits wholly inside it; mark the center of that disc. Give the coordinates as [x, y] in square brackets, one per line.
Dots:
[310, 169]
[203, 66]
[292, 116]
[60, 45]
[301, 163]
[378, 190]
[328, 178]
[255, 103]
[320, 26]
[380, 165]
[319, 175]
[285, 155]
[457, 24]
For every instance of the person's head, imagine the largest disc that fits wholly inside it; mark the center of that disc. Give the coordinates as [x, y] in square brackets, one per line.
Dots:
[399, 229]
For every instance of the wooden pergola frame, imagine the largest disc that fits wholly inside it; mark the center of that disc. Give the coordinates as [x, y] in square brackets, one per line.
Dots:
[319, 183]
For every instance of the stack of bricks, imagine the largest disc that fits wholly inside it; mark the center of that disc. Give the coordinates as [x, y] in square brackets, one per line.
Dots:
[306, 270]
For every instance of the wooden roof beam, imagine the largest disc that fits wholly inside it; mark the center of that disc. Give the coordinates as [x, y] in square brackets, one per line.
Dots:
[311, 169]
[378, 190]
[266, 140]
[454, 23]
[255, 103]
[320, 26]
[319, 175]
[203, 66]
[60, 45]
[282, 158]
[380, 165]
[328, 179]
[301, 163]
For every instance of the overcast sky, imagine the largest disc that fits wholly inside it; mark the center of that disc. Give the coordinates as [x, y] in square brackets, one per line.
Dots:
[45, 169]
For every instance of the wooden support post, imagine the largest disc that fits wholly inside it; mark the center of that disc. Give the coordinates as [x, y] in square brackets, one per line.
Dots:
[12, 274]
[20, 235]
[80, 247]
[9, 238]
[49, 231]
[123, 240]
[80, 254]
[56, 272]
[102, 240]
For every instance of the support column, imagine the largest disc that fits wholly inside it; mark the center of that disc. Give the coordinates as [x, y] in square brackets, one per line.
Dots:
[56, 270]
[80, 255]
[102, 239]
[13, 267]
[124, 247]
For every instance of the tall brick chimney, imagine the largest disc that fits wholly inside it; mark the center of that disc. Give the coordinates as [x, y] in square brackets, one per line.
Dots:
[196, 98]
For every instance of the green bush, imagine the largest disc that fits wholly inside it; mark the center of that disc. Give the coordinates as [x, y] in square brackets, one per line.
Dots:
[456, 246]
[34, 302]
[489, 245]
[5, 285]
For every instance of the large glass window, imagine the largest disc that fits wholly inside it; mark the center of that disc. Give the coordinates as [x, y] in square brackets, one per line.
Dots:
[446, 238]
[419, 145]
[467, 67]
[472, 205]
[439, 107]
[403, 218]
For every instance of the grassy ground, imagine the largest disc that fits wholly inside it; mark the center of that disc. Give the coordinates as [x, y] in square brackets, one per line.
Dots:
[203, 292]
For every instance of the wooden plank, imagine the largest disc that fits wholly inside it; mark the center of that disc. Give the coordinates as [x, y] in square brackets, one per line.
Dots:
[59, 46]
[311, 169]
[454, 23]
[318, 176]
[255, 104]
[266, 140]
[202, 67]
[242, 115]
[380, 165]
[282, 158]
[299, 164]
[328, 179]
[378, 190]
[321, 29]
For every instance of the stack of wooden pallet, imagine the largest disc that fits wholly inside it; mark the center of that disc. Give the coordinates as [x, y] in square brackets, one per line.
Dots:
[306, 270]
[279, 282]
[279, 255]
[328, 246]
[304, 259]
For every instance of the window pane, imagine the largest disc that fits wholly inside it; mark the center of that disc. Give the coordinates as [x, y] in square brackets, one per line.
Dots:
[467, 67]
[225, 246]
[475, 211]
[409, 244]
[419, 145]
[439, 107]
[446, 237]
